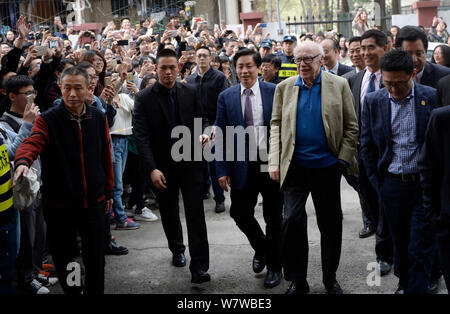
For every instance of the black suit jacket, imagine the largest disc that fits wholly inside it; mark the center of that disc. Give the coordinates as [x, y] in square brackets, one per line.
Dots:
[355, 83]
[435, 167]
[433, 73]
[443, 91]
[342, 69]
[152, 128]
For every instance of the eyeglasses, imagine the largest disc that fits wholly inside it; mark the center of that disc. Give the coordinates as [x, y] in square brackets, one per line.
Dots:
[397, 85]
[306, 60]
[27, 93]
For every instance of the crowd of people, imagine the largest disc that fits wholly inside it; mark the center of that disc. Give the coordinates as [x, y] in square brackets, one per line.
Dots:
[91, 115]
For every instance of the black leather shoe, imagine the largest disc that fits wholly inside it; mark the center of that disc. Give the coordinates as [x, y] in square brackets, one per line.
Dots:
[273, 279]
[366, 232]
[296, 288]
[178, 260]
[385, 268]
[206, 195]
[114, 249]
[434, 286]
[258, 264]
[334, 288]
[200, 277]
[400, 290]
[220, 207]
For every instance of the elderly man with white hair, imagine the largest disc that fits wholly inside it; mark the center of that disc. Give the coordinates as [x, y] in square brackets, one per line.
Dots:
[313, 138]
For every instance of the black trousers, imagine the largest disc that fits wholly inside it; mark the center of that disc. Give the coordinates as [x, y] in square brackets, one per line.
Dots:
[63, 225]
[442, 229]
[324, 186]
[32, 242]
[187, 177]
[242, 210]
[136, 176]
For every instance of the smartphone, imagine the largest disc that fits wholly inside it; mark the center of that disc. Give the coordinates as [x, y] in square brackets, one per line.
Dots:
[110, 42]
[30, 99]
[250, 27]
[173, 33]
[130, 77]
[53, 44]
[262, 25]
[41, 50]
[108, 81]
[123, 42]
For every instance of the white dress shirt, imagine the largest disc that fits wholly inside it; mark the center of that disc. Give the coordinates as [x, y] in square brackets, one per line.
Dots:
[258, 113]
[365, 83]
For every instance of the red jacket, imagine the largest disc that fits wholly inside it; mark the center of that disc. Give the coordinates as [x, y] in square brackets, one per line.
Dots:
[76, 159]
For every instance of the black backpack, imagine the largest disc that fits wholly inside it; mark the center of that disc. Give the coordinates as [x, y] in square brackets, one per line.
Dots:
[12, 123]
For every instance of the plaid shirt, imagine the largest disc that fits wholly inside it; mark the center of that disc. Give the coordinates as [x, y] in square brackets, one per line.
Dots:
[404, 141]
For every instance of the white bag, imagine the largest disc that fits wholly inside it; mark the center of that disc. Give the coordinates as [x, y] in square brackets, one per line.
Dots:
[26, 190]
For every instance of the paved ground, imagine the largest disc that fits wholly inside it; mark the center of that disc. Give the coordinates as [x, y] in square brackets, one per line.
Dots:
[147, 268]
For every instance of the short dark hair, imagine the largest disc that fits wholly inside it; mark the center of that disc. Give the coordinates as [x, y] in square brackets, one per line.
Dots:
[388, 34]
[62, 64]
[203, 47]
[247, 52]
[396, 27]
[230, 40]
[125, 18]
[335, 44]
[411, 33]
[379, 36]
[354, 39]
[271, 58]
[166, 53]
[85, 65]
[76, 70]
[147, 78]
[16, 82]
[397, 60]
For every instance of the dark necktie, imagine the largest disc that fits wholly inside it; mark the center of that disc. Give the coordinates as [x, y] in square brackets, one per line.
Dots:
[371, 87]
[173, 116]
[248, 113]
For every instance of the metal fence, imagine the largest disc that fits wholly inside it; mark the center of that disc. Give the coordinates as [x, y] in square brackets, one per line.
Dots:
[342, 22]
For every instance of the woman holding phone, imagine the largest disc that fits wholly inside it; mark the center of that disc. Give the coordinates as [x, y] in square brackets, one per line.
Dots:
[360, 24]
[99, 62]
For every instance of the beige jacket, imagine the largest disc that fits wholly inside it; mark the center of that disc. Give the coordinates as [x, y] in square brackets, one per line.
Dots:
[338, 116]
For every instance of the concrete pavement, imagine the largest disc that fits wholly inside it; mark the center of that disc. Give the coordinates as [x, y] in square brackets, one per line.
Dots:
[148, 269]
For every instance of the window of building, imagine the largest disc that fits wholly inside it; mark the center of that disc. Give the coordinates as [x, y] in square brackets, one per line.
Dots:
[119, 7]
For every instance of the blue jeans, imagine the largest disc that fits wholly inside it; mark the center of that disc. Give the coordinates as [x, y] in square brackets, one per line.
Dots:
[120, 146]
[9, 248]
